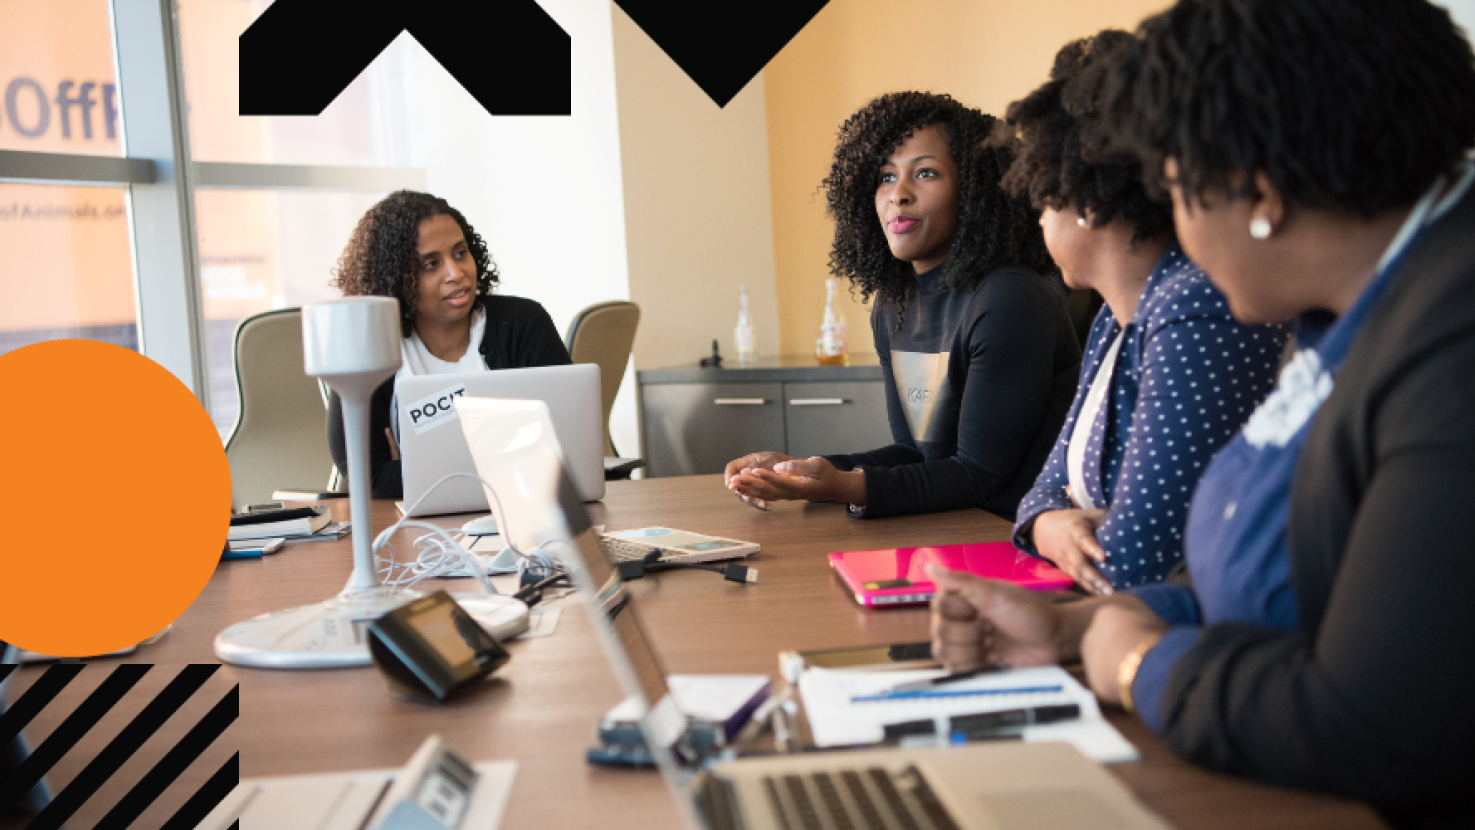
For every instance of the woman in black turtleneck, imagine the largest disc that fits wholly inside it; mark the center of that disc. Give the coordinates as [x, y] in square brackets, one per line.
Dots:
[977, 351]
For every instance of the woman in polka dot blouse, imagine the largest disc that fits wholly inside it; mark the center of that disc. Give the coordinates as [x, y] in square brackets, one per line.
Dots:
[1168, 376]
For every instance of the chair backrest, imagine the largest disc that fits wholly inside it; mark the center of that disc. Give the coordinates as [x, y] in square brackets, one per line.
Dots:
[280, 440]
[603, 334]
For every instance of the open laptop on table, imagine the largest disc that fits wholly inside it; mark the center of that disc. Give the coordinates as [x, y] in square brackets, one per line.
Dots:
[431, 446]
[996, 786]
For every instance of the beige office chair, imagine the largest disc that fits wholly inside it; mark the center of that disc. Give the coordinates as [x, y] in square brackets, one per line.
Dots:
[603, 334]
[280, 440]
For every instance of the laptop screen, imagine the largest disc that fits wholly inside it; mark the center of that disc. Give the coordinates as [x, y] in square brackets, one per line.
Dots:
[432, 446]
[515, 449]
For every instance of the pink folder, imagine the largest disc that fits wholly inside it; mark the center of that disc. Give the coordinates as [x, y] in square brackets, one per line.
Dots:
[895, 576]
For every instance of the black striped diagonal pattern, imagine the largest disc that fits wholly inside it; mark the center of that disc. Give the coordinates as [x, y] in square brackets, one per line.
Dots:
[122, 747]
[69, 732]
[212, 793]
[133, 736]
[42, 692]
[184, 753]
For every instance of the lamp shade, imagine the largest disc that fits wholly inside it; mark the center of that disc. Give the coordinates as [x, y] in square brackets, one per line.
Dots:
[353, 344]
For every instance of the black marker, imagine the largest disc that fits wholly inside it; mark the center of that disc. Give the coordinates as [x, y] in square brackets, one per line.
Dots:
[989, 724]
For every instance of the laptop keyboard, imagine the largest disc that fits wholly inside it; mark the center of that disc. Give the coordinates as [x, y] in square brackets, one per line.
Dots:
[874, 798]
[619, 550]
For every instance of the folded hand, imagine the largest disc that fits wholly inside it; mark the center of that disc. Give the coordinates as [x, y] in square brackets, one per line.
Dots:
[979, 623]
[1068, 539]
[791, 479]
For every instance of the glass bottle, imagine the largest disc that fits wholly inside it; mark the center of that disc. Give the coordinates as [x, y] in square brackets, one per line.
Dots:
[745, 340]
[829, 349]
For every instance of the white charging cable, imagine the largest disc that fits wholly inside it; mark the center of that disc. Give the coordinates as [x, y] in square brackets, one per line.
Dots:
[439, 553]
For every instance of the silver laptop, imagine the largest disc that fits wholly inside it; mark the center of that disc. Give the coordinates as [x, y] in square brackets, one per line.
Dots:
[431, 446]
[999, 786]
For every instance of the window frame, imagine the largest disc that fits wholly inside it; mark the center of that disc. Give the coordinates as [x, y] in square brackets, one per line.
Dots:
[160, 178]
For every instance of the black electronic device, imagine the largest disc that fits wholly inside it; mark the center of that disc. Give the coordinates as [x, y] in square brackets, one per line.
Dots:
[432, 649]
[713, 362]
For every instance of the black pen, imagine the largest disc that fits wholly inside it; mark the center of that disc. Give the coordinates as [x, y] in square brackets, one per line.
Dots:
[989, 724]
[922, 685]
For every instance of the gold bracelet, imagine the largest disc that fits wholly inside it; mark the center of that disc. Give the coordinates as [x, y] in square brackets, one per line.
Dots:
[1126, 673]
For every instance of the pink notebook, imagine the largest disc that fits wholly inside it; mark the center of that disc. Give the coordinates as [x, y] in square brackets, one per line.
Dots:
[895, 576]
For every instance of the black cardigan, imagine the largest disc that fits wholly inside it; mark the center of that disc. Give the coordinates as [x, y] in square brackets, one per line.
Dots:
[1374, 696]
[518, 334]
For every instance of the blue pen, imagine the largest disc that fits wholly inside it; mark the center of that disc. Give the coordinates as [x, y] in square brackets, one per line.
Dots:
[927, 694]
[247, 553]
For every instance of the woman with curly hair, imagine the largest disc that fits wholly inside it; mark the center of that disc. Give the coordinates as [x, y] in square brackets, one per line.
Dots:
[418, 249]
[1108, 509]
[1317, 157]
[976, 349]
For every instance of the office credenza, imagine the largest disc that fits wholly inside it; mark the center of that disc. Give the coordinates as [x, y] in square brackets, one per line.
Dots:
[694, 421]
[541, 708]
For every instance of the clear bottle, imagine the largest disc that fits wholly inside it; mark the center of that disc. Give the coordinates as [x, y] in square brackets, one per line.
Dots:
[745, 340]
[830, 348]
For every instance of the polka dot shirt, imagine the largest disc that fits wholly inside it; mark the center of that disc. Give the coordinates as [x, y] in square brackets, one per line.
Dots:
[1187, 377]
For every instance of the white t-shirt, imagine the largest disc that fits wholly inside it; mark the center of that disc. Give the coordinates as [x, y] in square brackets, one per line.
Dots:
[417, 360]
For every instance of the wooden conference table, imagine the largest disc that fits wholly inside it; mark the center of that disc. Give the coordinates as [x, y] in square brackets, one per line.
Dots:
[541, 708]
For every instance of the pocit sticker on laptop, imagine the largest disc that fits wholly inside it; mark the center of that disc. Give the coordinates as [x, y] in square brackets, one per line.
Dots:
[435, 409]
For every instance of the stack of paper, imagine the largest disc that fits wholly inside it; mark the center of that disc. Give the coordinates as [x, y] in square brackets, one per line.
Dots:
[275, 523]
[728, 699]
[851, 707]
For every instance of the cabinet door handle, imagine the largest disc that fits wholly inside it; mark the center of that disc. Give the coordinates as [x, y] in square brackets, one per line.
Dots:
[739, 401]
[817, 402]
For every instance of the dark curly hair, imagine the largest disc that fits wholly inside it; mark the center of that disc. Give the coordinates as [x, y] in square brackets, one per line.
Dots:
[994, 228]
[1353, 105]
[381, 260]
[1062, 157]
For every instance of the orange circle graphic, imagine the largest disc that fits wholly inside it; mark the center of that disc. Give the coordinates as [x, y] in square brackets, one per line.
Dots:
[115, 499]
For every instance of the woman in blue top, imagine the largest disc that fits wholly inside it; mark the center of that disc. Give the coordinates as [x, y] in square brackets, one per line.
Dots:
[1168, 376]
[1326, 639]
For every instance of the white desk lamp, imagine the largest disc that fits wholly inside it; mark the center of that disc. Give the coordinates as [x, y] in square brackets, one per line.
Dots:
[352, 345]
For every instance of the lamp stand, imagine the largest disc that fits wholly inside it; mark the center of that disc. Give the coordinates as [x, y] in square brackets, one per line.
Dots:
[353, 346]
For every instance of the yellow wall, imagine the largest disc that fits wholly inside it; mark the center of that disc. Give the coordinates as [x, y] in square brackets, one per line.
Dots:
[985, 53]
[697, 220]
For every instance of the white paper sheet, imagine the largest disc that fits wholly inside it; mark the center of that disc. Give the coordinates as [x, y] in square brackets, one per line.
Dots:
[835, 718]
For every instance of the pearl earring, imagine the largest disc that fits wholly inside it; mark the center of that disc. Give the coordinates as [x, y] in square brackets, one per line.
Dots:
[1260, 228]
[1081, 220]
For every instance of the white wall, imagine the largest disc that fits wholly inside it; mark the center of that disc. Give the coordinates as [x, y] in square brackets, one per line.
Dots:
[1463, 11]
[545, 193]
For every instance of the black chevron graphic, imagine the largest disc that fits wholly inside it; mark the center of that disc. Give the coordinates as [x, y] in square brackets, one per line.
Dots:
[510, 55]
[722, 45]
